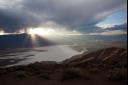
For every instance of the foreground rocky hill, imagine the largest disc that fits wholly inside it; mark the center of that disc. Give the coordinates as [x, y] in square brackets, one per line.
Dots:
[104, 67]
[108, 56]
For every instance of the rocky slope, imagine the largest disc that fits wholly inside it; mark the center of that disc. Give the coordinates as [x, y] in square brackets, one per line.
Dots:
[111, 56]
[103, 67]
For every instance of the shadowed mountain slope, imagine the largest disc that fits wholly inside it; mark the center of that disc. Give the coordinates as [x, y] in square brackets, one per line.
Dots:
[22, 41]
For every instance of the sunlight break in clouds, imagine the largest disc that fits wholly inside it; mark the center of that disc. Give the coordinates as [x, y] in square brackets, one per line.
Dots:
[51, 32]
[105, 26]
[1, 32]
[40, 31]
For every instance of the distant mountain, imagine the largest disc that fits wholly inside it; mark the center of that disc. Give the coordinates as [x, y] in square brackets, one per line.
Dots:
[21, 41]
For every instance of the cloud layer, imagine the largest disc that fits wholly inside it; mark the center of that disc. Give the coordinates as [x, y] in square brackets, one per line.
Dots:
[81, 15]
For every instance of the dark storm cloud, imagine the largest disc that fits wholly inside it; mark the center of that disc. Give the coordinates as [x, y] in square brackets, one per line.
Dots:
[90, 29]
[122, 27]
[11, 21]
[73, 14]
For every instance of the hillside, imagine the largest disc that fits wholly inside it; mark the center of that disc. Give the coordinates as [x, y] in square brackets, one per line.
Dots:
[111, 56]
[104, 67]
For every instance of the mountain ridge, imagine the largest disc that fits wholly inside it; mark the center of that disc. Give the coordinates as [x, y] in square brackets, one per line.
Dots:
[104, 55]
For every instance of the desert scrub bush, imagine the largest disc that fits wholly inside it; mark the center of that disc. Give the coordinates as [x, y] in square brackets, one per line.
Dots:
[118, 74]
[3, 72]
[45, 76]
[21, 74]
[73, 73]
[94, 70]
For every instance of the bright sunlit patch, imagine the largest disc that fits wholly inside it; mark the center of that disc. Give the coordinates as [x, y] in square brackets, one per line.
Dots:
[105, 26]
[1, 32]
[51, 32]
[4, 33]
[41, 31]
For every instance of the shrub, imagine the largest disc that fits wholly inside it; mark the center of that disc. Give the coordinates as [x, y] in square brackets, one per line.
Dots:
[21, 74]
[44, 76]
[3, 72]
[118, 74]
[93, 70]
[73, 73]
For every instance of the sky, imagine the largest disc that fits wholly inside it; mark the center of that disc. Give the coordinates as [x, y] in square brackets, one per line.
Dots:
[118, 18]
[89, 17]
